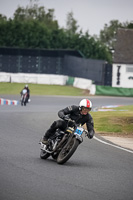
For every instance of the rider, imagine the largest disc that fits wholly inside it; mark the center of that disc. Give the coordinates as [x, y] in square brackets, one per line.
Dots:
[26, 88]
[80, 114]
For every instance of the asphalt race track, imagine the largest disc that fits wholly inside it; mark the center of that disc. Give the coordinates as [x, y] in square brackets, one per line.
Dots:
[95, 172]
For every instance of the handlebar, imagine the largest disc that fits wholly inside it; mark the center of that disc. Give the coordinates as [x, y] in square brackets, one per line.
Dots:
[75, 124]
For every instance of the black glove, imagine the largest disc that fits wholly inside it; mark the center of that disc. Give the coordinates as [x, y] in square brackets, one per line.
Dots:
[91, 134]
[71, 123]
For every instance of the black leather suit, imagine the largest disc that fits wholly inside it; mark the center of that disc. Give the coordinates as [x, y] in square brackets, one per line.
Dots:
[73, 112]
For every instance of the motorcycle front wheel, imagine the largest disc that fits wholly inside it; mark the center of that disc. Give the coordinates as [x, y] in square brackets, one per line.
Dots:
[67, 151]
[25, 101]
[44, 154]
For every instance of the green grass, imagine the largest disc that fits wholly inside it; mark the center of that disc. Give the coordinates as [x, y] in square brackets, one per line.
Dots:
[118, 122]
[40, 89]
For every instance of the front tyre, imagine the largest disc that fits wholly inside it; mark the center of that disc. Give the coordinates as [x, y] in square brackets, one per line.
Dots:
[44, 154]
[67, 151]
[25, 102]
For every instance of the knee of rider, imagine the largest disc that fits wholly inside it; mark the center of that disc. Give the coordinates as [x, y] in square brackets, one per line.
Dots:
[62, 125]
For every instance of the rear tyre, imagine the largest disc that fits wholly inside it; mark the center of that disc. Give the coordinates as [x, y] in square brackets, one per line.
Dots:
[67, 151]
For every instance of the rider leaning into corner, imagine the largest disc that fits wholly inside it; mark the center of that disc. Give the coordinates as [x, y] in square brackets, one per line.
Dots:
[80, 114]
[26, 88]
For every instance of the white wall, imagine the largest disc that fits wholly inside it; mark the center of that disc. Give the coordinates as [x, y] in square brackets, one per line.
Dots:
[5, 77]
[85, 84]
[126, 75]
[49, 79]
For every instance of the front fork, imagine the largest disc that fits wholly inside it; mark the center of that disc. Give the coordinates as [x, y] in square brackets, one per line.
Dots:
[61, 142]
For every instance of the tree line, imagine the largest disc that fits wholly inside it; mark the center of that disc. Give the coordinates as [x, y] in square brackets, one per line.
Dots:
[36, 27]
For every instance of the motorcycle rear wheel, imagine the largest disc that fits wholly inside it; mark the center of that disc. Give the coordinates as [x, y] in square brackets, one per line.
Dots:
[67, 151]
[44, 154]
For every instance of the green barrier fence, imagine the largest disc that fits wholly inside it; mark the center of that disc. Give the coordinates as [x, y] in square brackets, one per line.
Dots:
[113, 91]
[70, 80]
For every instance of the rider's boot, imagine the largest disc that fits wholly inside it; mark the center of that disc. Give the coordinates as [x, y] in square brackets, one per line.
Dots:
[45, 140]
[46, 137]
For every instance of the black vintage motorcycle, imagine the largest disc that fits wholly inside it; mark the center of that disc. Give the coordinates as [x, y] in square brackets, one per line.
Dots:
[62, 145]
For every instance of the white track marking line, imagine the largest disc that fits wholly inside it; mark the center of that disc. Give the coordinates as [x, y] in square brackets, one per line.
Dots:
[113, 145]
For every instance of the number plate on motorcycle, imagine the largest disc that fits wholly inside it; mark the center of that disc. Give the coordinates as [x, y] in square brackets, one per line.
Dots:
[79, 131]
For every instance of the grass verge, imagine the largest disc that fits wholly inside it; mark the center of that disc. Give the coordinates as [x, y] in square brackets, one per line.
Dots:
[40, 89]
[115, 123]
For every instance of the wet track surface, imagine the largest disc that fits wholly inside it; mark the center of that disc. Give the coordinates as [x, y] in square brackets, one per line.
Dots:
[95, 171]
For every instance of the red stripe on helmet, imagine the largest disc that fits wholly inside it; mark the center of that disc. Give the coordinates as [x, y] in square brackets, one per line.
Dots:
[87, 103]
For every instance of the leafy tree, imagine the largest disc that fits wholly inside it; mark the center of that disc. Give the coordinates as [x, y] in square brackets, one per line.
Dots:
[58, 39]
[71, 24]
[35, 27]
[130, 25]
[36, 13]
[3, 18]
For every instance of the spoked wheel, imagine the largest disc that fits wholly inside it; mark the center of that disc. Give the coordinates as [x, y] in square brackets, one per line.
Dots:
[44, 154]
[25, 101]
[22, 102]
[67, 151]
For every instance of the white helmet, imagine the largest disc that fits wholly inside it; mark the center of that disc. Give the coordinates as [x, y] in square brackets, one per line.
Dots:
[26, 86]
[85, 103]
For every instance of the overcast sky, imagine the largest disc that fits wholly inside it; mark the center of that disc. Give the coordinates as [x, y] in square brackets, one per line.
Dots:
[91, 15]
